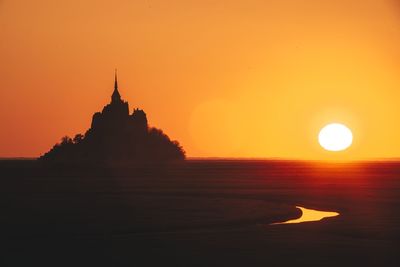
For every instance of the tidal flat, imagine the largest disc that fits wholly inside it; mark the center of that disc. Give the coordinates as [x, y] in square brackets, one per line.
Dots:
[198, 213]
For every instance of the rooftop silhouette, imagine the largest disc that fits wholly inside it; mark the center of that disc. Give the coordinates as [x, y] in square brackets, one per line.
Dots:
[117, 135]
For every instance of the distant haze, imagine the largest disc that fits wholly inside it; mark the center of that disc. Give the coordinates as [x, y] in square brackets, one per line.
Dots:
[240, 78]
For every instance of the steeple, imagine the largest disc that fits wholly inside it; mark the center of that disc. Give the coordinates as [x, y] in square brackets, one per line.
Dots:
[116, 81]
[116, 97]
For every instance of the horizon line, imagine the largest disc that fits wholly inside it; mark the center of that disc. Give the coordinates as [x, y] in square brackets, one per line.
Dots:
[271, 159]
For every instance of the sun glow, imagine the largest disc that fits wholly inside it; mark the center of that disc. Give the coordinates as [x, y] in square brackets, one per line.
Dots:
[335, 137]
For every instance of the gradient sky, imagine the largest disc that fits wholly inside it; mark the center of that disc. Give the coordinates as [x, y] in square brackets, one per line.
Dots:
[238, 78]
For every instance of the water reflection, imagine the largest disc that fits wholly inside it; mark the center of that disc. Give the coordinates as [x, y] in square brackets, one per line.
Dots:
[309, 215]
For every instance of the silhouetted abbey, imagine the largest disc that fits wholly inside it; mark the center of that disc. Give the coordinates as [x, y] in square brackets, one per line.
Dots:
[116, 135]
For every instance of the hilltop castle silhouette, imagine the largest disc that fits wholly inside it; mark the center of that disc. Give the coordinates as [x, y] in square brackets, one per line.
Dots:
[116, 135]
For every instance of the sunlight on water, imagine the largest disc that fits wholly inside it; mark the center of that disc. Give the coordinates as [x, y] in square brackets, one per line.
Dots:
[310, 216]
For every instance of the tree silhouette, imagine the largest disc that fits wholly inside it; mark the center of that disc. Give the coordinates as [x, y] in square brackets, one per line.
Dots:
[78, 138]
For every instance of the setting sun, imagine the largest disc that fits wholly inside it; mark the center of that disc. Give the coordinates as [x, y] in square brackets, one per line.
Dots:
[335, 137]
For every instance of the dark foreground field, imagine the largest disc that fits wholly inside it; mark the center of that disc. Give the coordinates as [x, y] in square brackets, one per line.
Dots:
[198, 213]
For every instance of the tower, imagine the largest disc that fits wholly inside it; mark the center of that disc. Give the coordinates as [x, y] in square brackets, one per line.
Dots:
[115, 97]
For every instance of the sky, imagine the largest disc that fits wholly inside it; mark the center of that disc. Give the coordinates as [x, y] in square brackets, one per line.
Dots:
[238, 78]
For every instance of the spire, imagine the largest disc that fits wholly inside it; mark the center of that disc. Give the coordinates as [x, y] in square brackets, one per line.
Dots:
[116, 97]
[116, 81]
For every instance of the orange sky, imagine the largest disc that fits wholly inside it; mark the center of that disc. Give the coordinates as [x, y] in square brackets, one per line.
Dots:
[239, 78]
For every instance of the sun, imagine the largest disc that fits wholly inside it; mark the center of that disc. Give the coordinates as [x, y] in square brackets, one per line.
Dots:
[335, 137]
